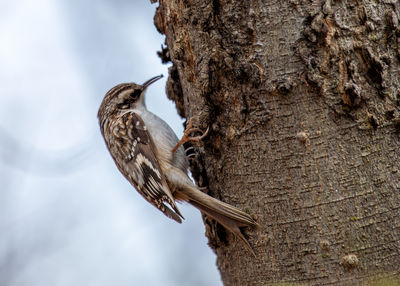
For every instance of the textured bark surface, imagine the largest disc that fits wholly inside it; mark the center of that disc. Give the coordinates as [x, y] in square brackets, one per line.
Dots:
[303, 102]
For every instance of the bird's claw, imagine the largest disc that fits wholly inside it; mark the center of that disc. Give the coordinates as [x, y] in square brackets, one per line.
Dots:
[186, 135]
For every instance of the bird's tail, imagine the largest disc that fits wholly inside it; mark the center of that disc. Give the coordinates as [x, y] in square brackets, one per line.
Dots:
[227, 215]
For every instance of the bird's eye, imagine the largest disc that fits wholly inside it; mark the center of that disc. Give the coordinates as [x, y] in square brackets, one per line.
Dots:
[135, 94]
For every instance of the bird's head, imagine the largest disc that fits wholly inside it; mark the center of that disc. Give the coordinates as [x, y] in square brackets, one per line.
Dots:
[124, 96]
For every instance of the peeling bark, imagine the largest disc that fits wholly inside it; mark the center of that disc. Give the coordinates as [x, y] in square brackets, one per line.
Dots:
[303, 103]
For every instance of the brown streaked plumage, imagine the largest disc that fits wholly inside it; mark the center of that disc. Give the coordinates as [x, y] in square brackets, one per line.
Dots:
[142, 144]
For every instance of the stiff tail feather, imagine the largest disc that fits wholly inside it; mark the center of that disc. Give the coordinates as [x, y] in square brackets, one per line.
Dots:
[227, 215]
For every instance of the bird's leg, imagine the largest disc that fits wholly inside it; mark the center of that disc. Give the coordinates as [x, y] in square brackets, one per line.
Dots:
[189, 129]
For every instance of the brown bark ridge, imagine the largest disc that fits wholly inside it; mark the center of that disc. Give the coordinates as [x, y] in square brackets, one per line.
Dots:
[303, 103]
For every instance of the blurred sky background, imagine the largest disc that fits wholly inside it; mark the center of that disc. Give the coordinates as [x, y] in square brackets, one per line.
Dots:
[67, 216]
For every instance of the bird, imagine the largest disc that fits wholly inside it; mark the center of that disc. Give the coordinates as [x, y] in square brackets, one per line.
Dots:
[151, 157]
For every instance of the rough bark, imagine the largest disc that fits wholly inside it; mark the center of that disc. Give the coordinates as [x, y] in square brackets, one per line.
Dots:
[303, 102]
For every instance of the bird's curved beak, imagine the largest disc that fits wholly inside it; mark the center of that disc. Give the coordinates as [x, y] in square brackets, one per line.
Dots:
[152, 80]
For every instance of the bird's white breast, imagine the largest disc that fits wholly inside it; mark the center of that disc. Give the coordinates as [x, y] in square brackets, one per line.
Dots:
[165, 140]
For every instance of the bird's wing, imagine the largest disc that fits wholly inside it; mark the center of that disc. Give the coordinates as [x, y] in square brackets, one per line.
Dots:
[134, 146]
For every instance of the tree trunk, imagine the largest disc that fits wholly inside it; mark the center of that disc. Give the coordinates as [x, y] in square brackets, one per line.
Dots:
[303, 103]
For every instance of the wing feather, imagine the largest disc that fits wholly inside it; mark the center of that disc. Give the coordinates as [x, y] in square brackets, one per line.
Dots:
[135, 148]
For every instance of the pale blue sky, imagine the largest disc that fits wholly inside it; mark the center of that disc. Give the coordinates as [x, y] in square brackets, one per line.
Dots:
[67, 216]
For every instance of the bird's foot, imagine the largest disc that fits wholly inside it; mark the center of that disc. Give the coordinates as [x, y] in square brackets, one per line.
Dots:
[186, 135]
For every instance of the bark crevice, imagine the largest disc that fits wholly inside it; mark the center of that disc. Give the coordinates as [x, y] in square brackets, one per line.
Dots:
[303, 105]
